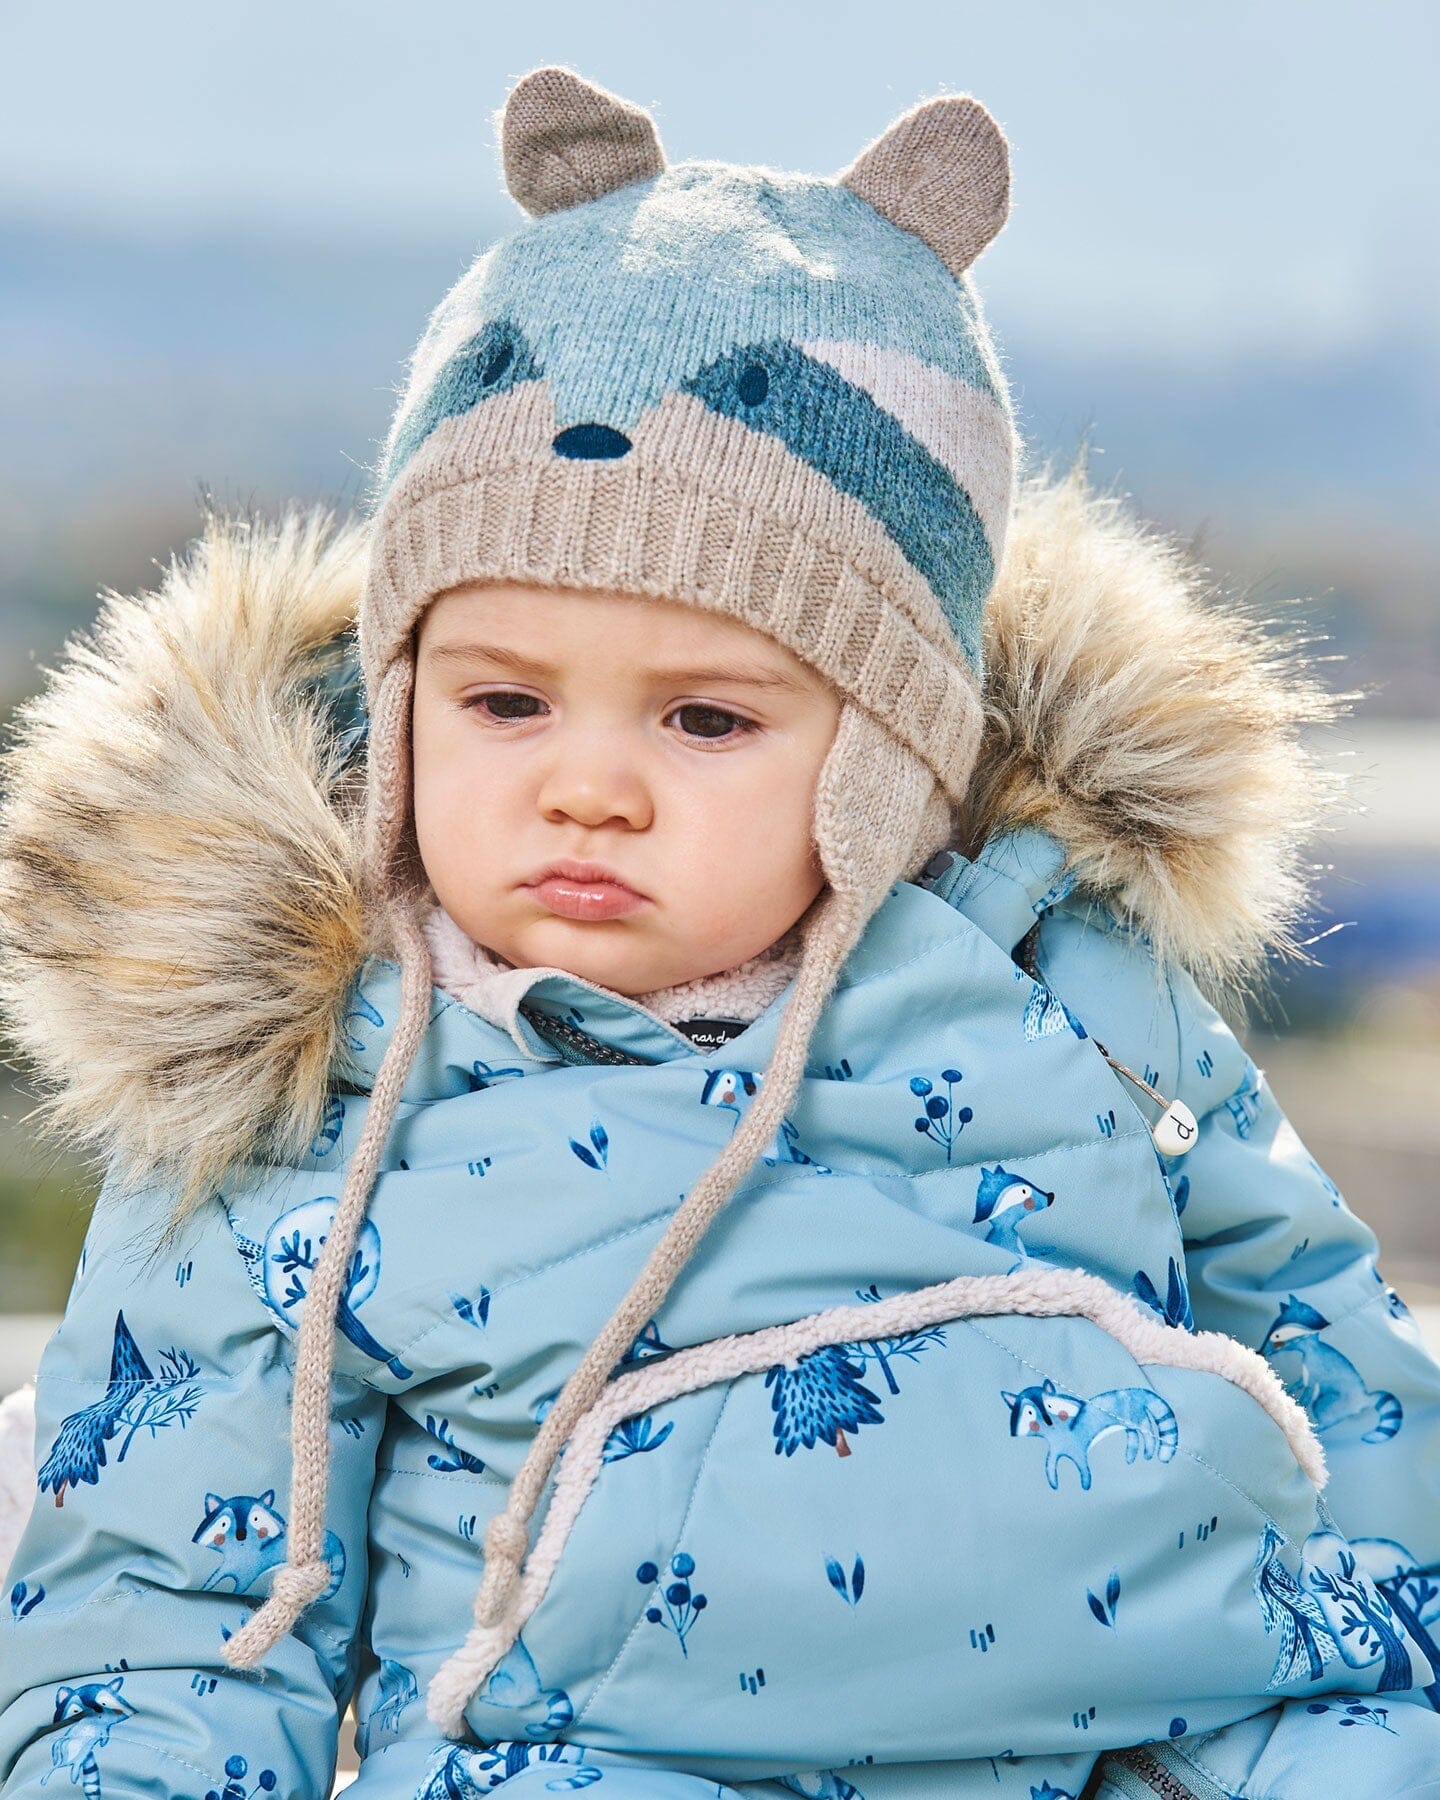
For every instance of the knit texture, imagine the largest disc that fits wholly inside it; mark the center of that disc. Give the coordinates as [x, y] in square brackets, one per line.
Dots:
[490, 986]
[772, 397]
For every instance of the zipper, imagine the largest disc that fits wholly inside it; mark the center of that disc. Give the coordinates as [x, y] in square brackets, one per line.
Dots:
[1140, 1773]
[576, 1046]
[1176, 1128]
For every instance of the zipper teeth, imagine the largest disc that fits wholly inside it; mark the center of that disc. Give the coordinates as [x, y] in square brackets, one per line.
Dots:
[1156, 1776]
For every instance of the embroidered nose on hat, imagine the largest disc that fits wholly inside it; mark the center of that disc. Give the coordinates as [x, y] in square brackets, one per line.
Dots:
[771, 396]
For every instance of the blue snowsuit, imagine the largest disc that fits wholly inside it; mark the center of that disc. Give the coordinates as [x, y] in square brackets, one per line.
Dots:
[975, 1553]
[858, 1565]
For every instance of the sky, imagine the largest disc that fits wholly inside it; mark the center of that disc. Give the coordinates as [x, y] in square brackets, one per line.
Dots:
[1246, 175]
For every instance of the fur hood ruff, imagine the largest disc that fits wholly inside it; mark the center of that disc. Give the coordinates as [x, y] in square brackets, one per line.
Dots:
[183, 909]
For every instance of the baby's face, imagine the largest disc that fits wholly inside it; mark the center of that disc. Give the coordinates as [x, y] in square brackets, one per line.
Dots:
[677, 748]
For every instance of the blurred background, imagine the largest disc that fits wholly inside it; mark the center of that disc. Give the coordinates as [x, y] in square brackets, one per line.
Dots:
[221, 235]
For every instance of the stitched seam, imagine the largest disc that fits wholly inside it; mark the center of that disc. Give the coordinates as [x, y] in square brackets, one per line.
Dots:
[970, 880]
[1359, 1307]
[679, 1539]
[341, 1640]
[575, 1256]
[155, 1749]
[440, 1475]
[754, 1188]
[1181, 1449]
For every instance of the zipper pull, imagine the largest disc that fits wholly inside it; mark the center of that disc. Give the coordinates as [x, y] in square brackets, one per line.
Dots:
[1176, 1129]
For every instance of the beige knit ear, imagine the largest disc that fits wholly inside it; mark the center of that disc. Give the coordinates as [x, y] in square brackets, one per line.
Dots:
[942, 170]
[874, 801]
[564, 140]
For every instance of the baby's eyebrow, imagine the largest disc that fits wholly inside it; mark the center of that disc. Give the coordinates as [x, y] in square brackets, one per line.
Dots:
[773, 680]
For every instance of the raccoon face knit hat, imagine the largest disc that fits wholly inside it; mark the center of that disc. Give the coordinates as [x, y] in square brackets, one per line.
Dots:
[771, 396]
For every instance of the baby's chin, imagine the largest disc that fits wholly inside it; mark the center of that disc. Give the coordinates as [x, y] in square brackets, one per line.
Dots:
[632, 969]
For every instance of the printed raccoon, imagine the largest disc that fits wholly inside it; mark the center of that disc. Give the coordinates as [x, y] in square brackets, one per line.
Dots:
[1329, 1386]
[248, 1536]
[89, 1714]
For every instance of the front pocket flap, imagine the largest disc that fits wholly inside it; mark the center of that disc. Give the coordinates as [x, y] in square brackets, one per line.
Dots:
[1031, 1292]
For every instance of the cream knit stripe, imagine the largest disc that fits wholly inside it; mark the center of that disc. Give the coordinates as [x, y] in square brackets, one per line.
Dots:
[305, 1575]
[1032, 1293]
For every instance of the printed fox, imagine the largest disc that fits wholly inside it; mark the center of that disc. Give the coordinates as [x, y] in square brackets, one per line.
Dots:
[730, 1089]
[89, 1714]
[248, 1536]
[1330, 1387]
[1006, 1200]
[515, 1683]
[1070, 1426]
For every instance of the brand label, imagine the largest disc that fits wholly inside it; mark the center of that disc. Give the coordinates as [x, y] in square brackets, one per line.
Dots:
[710, 1034]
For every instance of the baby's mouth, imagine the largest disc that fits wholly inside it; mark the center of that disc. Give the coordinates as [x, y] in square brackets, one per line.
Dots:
[572, 898]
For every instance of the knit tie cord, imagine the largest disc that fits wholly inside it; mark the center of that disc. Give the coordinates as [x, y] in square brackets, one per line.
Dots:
[871, 802]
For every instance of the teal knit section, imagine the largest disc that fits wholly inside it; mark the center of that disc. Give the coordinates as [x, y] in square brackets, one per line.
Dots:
[839, 430]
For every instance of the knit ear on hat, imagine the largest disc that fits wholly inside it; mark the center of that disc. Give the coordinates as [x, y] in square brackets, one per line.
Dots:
[942, 170]
[875, 802]
[563, 140]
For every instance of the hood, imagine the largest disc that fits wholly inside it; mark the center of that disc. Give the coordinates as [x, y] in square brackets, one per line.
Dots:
[183, 903]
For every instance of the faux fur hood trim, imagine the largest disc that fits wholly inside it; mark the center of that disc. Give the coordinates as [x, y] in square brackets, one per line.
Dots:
[1155, 724]
[181, 884]
[183, 908]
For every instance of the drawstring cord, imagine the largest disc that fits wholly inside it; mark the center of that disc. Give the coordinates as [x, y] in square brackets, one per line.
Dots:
[306, 1575]
[507, 1537]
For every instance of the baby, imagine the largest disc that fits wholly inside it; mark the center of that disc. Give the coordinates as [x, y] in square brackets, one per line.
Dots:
[665, 757]
[676, 1213]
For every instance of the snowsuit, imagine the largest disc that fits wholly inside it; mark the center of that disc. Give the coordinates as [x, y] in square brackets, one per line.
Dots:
[1012, 1506]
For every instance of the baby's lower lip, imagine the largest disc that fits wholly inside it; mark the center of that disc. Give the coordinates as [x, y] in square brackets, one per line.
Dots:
[586, 899]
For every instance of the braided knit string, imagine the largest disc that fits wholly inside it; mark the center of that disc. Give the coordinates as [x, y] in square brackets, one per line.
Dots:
[863, 823]
[507, 1535]
[306, 1574]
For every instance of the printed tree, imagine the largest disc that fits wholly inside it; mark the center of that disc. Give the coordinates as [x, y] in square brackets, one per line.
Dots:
[1306, 1641]
[908, 1344]
[819, 1400]
[1412, 1593]
[1365, 1617]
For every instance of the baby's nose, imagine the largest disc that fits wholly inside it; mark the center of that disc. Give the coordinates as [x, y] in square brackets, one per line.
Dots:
[591, 442]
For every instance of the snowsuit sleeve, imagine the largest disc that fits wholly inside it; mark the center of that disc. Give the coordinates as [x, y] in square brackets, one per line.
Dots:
[162, 1445]
[1274, 1257]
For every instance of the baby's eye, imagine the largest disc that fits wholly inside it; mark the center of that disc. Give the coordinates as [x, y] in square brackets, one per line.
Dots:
[504, 701]
[711, 722]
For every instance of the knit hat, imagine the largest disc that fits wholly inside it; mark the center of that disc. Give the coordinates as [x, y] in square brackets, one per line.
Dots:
[771, 396]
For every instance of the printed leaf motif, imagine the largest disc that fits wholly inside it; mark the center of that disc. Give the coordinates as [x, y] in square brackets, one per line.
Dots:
[23, 1601]
[849, 1590]
[596, 1158]
[474, 1312]
[1104, 1610]
[634, 1435]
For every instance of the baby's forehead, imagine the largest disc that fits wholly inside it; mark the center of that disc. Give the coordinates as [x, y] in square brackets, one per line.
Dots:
[549, 615]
